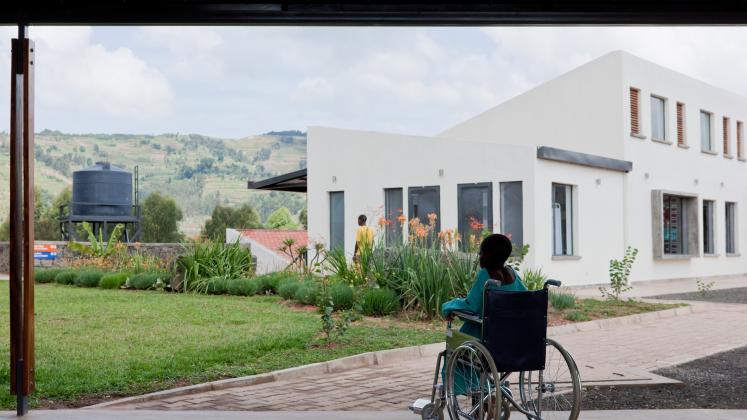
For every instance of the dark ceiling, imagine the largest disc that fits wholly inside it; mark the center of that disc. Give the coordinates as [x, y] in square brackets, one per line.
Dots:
[197, 12]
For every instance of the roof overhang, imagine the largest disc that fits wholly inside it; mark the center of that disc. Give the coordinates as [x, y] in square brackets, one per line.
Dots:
[413, 12]
[583, 159]
[290, 182]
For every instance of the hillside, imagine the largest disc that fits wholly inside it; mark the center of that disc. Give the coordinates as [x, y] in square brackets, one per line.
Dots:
[198, 171]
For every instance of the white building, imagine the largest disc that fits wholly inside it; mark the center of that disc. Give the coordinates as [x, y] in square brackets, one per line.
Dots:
[617, 152]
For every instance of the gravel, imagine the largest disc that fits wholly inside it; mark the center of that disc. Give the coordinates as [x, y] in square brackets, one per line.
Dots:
[717, 381]
[738, 295]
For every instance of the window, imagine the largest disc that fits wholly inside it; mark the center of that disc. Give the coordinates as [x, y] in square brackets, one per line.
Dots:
[475, 204]
[635, 127]
[731, 228]
[708, 224]
[337, 220]
[512, 211]
[740, 140]
[562, 217]
[393, 212]
[681, 124]
[705, 131]
[658, 118]
[675, 224]
[727, 134]
[423, 201]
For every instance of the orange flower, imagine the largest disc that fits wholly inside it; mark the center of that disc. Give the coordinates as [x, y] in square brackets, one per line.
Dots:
[383, 222]
[475, 224]
[432, 218]
[401, 219]
[414, 222]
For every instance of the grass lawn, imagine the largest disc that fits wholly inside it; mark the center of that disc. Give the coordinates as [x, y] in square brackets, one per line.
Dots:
[93, 344]
[590, 309]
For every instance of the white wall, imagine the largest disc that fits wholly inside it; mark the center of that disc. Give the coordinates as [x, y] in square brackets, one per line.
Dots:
[267, 260]
[578, 111]
[365, 163]
[669, 167]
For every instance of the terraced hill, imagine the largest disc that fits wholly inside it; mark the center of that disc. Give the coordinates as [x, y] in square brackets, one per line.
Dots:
[198, 171]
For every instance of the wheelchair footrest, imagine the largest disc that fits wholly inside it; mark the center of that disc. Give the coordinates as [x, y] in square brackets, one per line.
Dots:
[417, 406]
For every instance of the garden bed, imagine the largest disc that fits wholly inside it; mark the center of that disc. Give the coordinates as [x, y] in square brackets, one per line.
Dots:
[591, 309]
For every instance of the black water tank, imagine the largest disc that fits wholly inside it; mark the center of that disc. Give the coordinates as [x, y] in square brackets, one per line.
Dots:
[102, 190]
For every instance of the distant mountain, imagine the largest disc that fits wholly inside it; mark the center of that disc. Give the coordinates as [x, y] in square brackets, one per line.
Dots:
[198, 171]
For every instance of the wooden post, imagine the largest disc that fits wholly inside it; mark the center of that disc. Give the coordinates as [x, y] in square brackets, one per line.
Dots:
[21, 284]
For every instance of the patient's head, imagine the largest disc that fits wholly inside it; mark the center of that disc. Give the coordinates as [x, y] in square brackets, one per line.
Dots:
[494, 251]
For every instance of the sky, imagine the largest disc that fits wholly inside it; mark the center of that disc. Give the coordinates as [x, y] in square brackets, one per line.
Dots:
[234, 82]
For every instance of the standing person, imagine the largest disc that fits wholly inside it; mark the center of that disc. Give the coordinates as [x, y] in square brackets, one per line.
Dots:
[364, 237]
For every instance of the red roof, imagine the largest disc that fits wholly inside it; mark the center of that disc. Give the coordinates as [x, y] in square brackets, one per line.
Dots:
[273, 239]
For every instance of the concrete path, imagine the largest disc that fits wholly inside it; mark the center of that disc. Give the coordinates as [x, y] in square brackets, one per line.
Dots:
[349, 415]
[640, 347]
[665, 287]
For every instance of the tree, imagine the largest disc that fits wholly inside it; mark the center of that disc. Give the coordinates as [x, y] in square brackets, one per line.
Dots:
[5, 230]
[224, 217]
[161, 217]
[281, 219]
[303, 217]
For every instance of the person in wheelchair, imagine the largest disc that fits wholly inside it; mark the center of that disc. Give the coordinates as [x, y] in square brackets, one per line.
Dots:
[494, 252]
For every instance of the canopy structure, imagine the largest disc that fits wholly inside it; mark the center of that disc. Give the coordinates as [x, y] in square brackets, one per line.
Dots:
[290, 182]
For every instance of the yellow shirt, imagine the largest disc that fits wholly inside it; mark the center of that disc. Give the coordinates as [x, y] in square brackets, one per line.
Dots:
[364, 236]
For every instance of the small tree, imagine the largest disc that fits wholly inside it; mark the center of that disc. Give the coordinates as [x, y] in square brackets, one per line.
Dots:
[281, 219]
[224, 217]
[161, 218]
[619, 273]
[303, 218]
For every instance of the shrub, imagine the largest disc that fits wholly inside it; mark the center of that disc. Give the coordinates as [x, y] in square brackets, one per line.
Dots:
[268, 283]
[113, 280]
[287, 287]
[534, 279]
[217, 286]
[563, 299]
[145, 281]
[619, 273]
[577, 316]
[66, 277]
[242, 287]
[342, 296]
[90, 278]
[307, 292]
[379, 302]
[46, 275]
[208, 260]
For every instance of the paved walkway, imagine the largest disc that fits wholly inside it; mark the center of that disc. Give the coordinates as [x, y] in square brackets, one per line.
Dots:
[348, 415]
[641, 347]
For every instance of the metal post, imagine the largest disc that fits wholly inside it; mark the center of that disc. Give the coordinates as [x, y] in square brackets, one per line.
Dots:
[21, 282]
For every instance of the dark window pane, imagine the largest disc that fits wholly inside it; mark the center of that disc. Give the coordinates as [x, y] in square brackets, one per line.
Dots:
[475, 212]
[392, 212]
[708, 243]
[423, 201]
[512, 211]
[674, 228]
[337, 220]
[562, 207]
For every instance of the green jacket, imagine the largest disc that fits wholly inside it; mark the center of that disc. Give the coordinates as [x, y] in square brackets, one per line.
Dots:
[473, 302]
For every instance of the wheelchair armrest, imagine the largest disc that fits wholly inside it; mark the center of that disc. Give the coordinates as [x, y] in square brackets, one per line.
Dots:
[468, 316]
[555, 283]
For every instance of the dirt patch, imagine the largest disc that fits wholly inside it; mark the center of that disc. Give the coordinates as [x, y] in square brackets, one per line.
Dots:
[717, 381]
[738, 295]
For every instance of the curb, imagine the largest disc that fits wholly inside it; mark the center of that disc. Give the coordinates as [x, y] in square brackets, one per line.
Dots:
[600, 324]
[382, 357]
[376, 358]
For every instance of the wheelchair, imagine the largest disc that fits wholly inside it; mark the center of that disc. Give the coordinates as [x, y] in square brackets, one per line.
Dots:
[477, 374]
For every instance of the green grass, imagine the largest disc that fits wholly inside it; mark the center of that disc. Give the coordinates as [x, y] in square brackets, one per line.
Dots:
[588, 309]
[93, 342]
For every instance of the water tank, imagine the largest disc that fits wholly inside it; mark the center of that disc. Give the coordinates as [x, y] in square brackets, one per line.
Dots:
[102, 190]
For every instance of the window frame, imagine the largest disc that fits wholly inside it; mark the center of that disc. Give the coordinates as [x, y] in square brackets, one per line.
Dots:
[733, 233]
[709, 235]
[664, 118]
[394, 228]
[711, 145]
[690, 225]
[461, 224]
[332, 246]
[571, 242]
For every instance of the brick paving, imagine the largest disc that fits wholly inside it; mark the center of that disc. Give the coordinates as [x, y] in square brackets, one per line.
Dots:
[644, 346]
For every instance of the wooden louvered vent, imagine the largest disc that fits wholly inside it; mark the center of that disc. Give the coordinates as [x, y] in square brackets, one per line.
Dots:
[635, 126]
[680, 123]
[727, 152]
[740, 140]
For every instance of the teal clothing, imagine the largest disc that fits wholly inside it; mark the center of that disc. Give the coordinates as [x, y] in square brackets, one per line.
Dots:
[473, 302]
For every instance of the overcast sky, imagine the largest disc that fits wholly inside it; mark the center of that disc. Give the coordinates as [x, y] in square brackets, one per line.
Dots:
[238, 81]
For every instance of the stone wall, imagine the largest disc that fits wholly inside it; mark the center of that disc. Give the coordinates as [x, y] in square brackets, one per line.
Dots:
[65, 256]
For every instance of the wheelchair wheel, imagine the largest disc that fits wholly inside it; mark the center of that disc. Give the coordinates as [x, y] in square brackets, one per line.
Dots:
[430, 412]
[471, 383]
[560, 394]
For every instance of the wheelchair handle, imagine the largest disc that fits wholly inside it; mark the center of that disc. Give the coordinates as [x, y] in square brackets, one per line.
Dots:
[551, 282]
